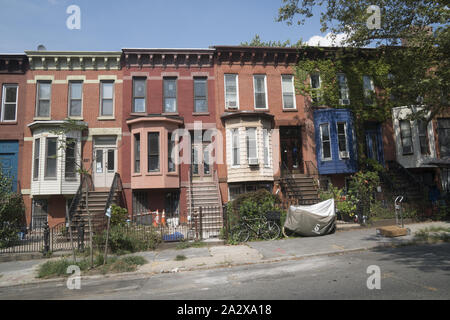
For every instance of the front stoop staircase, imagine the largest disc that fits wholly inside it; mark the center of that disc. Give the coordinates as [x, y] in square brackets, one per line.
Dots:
[98, 201]
[401, 182]
[206, 195]
[301, 188]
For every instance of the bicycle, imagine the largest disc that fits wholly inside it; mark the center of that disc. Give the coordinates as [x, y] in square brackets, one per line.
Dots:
[266, 229]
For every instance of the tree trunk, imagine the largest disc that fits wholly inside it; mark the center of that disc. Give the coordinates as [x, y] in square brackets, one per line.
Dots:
[71, 236]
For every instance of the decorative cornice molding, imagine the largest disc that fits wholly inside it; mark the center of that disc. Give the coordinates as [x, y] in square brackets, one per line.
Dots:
[168, 58]
[73, 60]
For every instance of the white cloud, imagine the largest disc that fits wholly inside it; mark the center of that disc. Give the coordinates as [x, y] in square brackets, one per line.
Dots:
[328, 41]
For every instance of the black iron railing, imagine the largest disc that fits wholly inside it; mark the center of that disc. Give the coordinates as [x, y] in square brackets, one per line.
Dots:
[116, 187]
[79, 195]
[290, 182]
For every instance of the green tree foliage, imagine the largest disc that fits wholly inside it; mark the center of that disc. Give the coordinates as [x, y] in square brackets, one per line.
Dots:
[12, 212]
[421, 69]
[119, 215]
[257, 42]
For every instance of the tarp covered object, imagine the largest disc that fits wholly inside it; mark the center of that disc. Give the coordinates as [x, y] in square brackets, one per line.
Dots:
[314, 220]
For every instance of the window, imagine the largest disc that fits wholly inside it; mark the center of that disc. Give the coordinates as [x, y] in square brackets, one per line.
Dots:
[287, 86]
[315, 86]
[342, 139]
[39, 213]
[9, 102]
[423, 137]
[37, 149]
[231, 91]
[170, 146]
[235, 147]
[343, 89]
[75, 98]
[153, 151]
[326, 145]
[266, 147]
[170, 95]
[444, 136]
[252, 151]
[139, 94]
[107, 99]
[140, 206]
[50, 159]
[44, 92]
[137, 153]
[369, 90]
[70, 166]
[259, 85]
[406, 137]
[200, 95]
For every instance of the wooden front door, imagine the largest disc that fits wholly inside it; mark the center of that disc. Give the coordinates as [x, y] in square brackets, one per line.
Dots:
[291, 149]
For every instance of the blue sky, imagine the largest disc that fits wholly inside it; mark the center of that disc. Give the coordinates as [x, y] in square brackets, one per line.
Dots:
[112, 25]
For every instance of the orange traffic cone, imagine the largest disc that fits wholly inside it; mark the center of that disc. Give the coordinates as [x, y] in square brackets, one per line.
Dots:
[163, 219]
[155, 218]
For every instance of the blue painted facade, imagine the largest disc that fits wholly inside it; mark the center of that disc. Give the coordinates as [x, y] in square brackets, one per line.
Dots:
[9, 159]
[336, 163]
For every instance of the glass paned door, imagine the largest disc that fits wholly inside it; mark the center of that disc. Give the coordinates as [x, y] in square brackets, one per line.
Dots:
[105, 166]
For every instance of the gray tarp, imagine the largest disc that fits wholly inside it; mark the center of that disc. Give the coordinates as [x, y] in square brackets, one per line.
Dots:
[314, 220]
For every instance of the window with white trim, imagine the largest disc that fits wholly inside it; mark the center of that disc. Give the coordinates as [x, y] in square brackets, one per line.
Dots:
[252, 147]
[37, 150]
[107, 98]
[342, 140]
[287, 85]
[70, 165]
[170, 95]
[316, 93]
[153, 151]
[231, 91]
[201, 94]
[44, 92]
[259, 85]
[75, 98]
[9, 102]
[50, 158]
[423, 137]
[369, 90]
[406, 137]
[266, 139]
[344, 98]
[235, 146]
[139, 94]
[326, 143]
[137, 153]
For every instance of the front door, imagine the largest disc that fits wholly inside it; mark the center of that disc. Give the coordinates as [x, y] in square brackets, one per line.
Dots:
[9, 161]
[374, 143]
[105, 161]
[291, 151]
[201, 161]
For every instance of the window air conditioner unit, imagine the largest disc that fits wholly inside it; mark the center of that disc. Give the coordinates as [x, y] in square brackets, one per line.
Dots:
[231, 105]
[344, 154]
[253, 161]
[344, 102]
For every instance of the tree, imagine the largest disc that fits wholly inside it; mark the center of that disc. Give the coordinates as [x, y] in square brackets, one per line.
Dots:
[257, 42]
[420, 70]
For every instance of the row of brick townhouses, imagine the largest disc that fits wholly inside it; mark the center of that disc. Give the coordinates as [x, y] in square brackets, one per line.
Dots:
[232, 110]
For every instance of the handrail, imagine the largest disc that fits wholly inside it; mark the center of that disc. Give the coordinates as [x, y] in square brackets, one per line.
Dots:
[291, 182]
[216, 180]
[116, 185]
[77, 198]
[411, 178]
[315, 173]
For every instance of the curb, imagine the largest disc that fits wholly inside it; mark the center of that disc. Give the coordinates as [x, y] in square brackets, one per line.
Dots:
[138, 275]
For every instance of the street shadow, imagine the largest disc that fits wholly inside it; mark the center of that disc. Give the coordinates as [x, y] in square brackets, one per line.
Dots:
[427, 258]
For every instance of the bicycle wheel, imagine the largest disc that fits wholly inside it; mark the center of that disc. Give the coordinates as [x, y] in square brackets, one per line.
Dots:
[272, 231]
[243, 235]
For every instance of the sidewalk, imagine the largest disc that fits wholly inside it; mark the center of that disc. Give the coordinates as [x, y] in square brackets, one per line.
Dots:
[216, 256]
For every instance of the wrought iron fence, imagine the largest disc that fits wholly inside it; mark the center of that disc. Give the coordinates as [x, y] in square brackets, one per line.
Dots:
[42, 238]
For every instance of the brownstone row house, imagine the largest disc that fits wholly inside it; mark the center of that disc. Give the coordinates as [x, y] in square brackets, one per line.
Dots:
[233, 111]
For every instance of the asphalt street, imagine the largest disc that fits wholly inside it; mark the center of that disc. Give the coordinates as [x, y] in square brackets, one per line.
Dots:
[409, 272]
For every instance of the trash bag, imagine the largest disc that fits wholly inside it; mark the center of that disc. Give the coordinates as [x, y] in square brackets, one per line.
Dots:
[314, 220]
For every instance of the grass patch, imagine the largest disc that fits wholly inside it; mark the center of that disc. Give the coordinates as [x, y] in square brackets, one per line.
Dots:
[180, 257]
[58, 268]
[194, 244]
[433, 234]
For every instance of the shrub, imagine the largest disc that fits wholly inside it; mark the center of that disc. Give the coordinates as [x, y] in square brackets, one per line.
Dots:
[126, 239]
[119, 215]
[12, 212]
